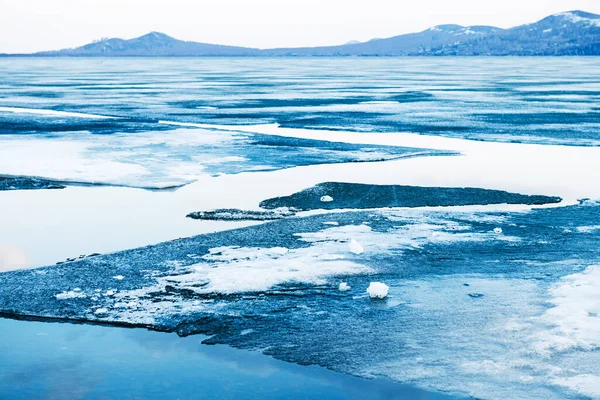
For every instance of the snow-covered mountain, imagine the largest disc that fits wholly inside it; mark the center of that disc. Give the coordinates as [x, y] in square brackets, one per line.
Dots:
[153, 44]
[567, 33]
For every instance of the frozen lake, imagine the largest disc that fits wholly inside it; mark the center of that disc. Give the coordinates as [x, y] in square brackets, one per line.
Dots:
[467, 186]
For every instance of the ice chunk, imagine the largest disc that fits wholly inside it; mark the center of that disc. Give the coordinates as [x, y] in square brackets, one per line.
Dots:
[73, 294]
[378, 290]
[588, 229]
[101, 311]
[355, 247]
[326, 199]
[344, 287]
[119, 277]
[498, 230]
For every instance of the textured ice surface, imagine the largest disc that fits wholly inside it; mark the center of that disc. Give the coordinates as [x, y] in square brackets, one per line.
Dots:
[229, 214]
[27, 183]
[491, 99]
[356, 196]
[468, 310]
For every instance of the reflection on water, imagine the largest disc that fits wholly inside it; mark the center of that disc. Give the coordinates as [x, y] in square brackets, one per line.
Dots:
[64, 361]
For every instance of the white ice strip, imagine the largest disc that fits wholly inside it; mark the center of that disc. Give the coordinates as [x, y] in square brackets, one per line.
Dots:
[424, 229]
[588, 229]
[515, 167]
[153, 159]
[52, 113]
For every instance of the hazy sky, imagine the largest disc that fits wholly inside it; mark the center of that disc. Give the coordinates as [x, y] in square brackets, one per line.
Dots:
[32, 25]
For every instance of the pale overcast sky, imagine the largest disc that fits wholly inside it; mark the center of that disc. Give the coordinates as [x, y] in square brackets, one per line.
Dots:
[32, 25]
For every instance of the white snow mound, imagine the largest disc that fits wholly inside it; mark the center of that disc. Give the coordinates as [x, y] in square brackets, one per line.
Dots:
[378, 290]
[344, 287]
[326, 199]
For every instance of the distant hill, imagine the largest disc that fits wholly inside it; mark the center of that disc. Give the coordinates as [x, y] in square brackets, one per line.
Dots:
[568, 33]
[413, 43]
[153, 44]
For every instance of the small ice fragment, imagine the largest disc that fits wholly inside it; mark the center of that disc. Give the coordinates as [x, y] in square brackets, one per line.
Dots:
[326, 199]
[109, 293]
[332, 223]
[355, 247]
[101, 311]
[498, 230]
[70, 295]
[119, 277]
[344, 287]
[246, 332]
[378, 290]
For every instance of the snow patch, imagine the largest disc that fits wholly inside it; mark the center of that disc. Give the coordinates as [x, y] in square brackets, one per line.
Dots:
[587, 385]
[574, 320]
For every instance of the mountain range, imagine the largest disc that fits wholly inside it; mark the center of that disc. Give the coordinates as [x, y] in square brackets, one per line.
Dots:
[568, 33]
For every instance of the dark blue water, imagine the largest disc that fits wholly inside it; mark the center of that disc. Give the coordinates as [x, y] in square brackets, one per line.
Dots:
[63, 361]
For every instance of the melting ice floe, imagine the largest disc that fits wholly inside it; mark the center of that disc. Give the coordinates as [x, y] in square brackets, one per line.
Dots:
[334, 251]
